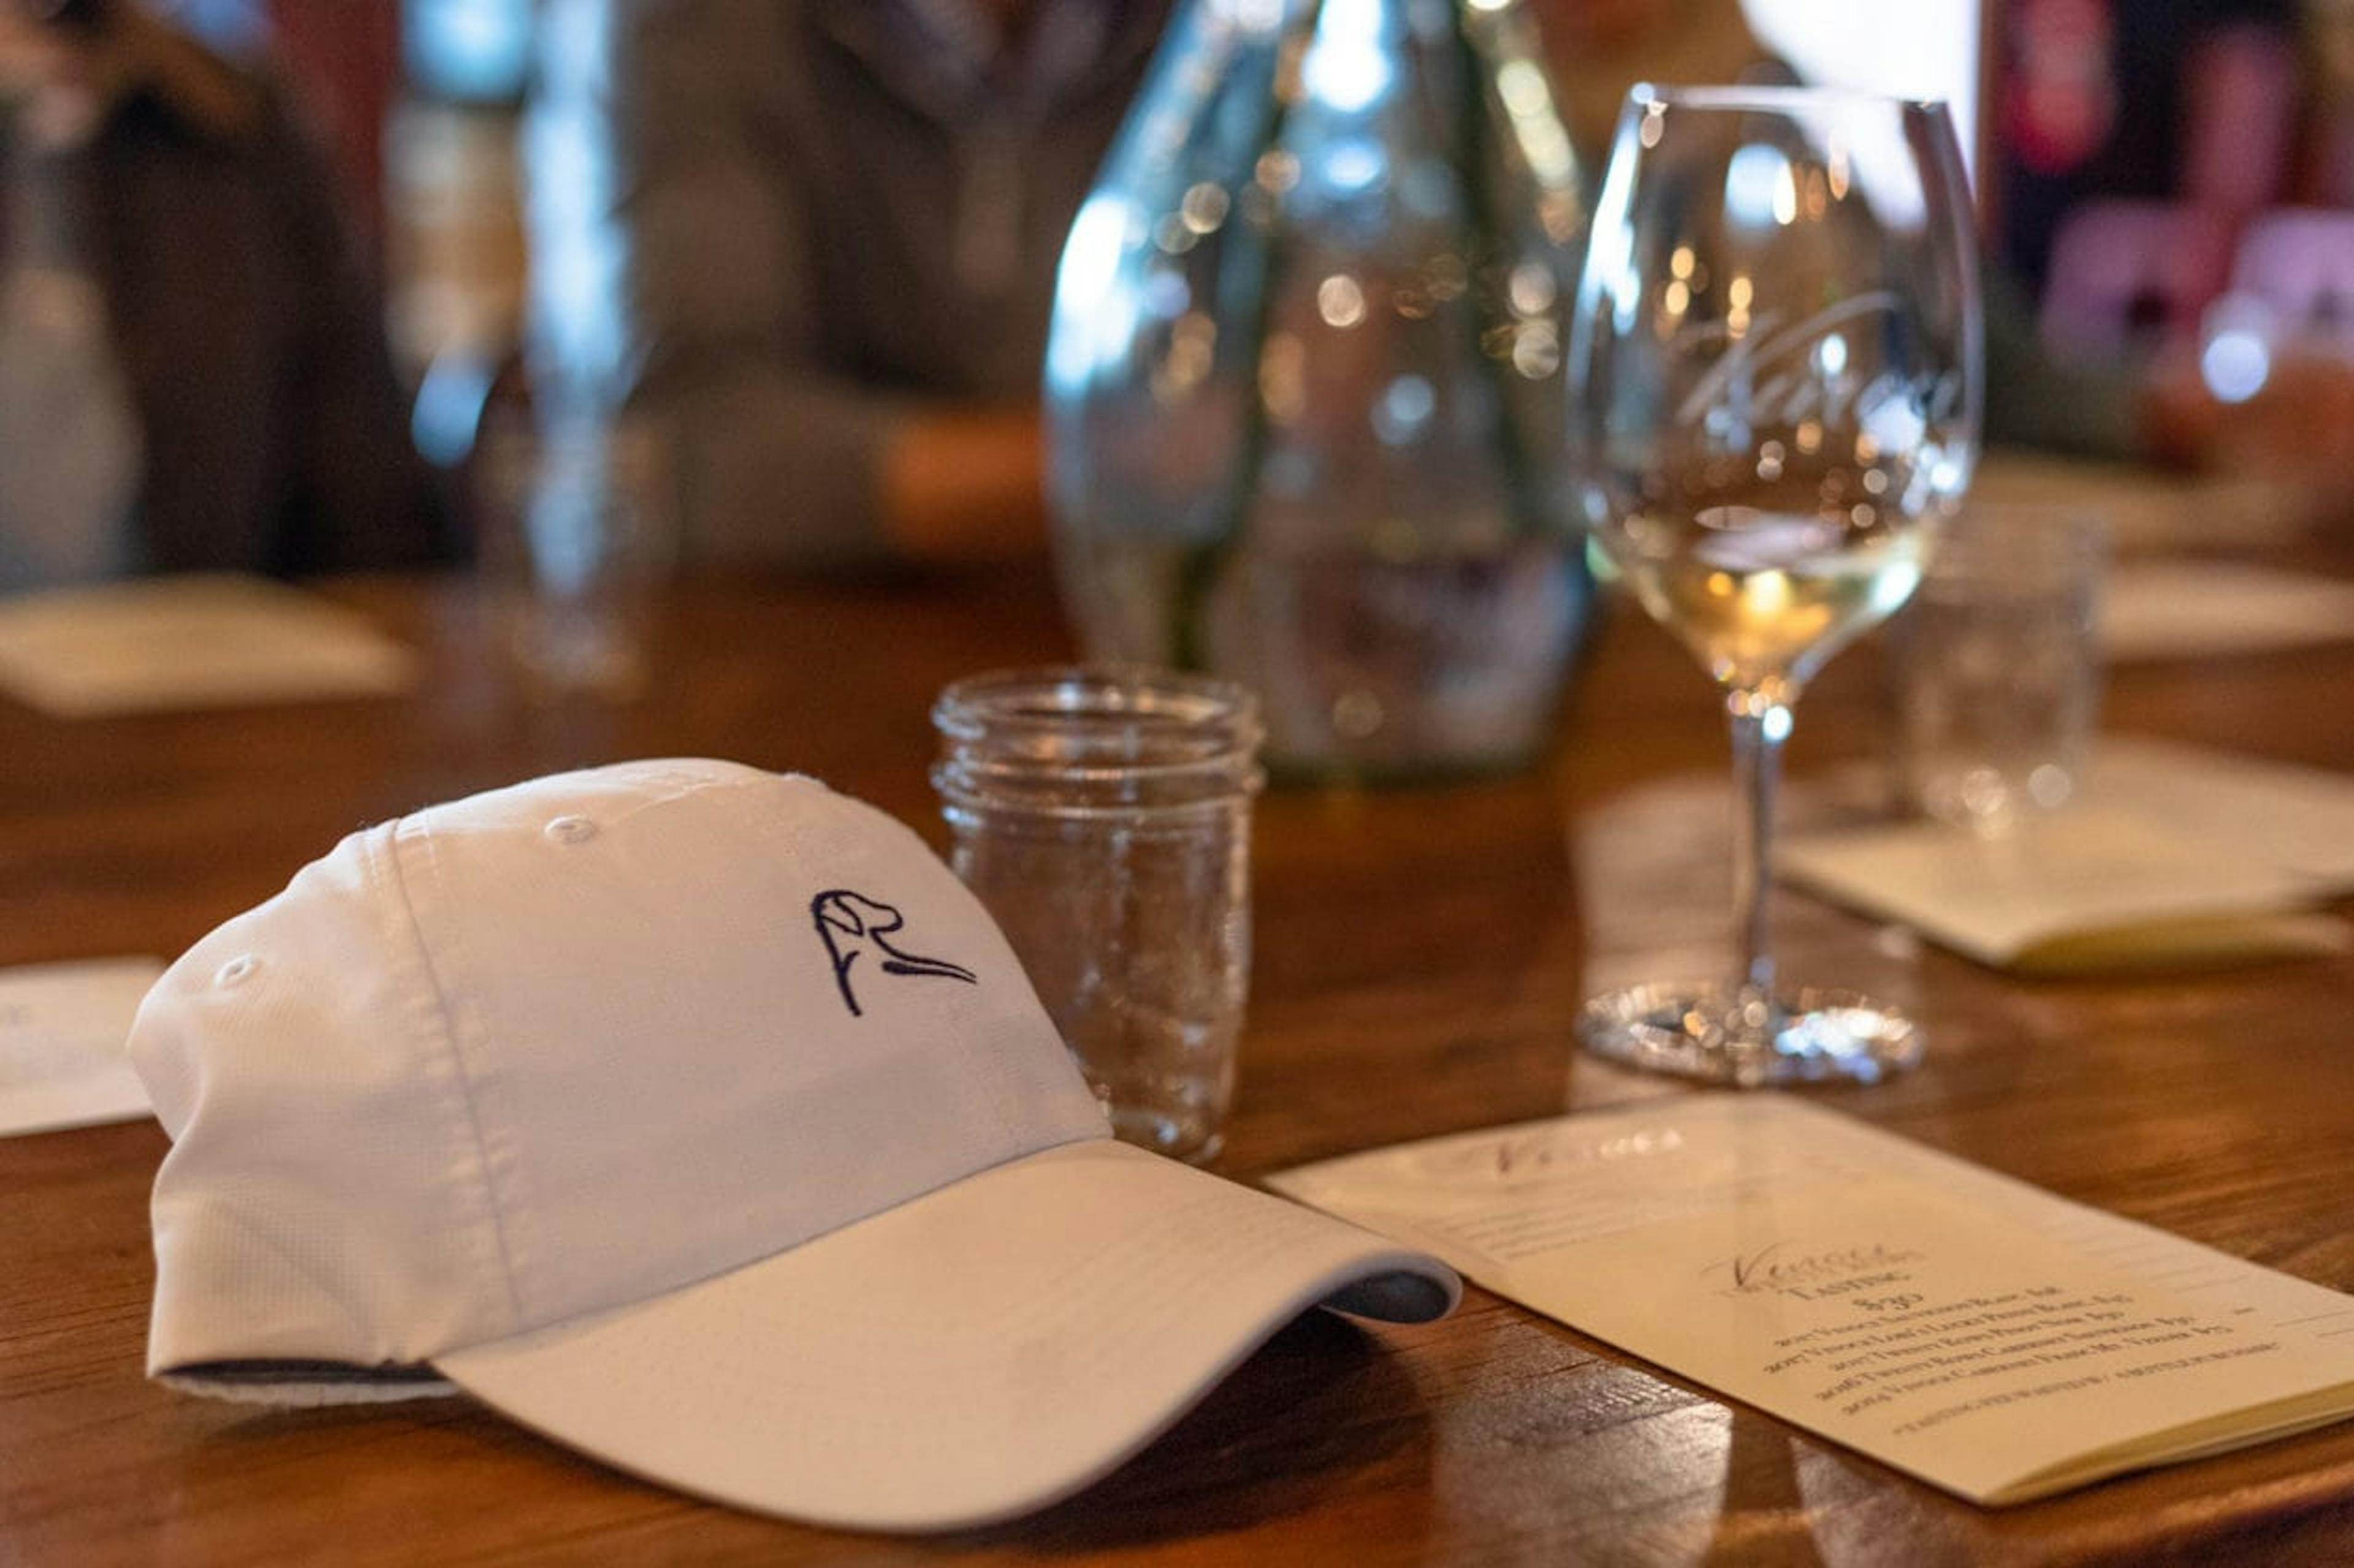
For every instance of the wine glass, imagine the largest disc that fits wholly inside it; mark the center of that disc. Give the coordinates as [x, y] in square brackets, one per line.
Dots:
[1774, 371]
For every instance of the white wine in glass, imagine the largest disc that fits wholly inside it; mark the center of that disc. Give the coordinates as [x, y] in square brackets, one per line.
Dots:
[1775, 366]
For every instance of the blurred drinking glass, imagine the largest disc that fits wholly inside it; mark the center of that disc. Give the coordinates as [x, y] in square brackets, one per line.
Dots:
[580, 536]
[1774, 367]
[1998, 666]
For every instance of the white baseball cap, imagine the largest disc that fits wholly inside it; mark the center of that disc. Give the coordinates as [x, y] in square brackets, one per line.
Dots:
[699, 1118]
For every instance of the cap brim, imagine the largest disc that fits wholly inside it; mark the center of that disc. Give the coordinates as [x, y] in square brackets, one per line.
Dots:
[972, 1355]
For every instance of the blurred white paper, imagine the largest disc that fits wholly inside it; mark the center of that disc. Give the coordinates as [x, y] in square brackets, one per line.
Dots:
[61, 1033]
[2297, 820]
[2088, 888]
[2145, 509]
[195, 641]
[2177, 610]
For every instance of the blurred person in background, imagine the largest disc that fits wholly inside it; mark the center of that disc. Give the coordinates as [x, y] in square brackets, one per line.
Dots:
[192, 366]
[811, 245]
[2156, 408]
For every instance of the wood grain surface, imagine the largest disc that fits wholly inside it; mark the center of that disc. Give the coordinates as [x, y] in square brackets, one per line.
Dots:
[1419, 955]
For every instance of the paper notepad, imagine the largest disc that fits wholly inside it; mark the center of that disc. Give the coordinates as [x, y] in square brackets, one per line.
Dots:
[204, 640]
[61, 1033]
[1979, 1333]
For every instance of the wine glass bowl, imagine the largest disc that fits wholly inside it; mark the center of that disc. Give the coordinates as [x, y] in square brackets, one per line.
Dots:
[1774, 367]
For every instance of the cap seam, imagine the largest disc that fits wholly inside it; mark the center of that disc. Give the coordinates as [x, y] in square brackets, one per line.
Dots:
[463, 1078]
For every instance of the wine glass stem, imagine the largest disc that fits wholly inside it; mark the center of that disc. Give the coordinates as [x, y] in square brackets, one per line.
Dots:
[1761, 722]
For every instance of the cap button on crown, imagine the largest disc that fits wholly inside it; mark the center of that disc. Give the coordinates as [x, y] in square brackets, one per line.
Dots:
[236, 971]
[571, 830]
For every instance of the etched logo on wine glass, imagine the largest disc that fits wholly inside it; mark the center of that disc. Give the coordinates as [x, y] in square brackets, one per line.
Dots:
[1773, 375]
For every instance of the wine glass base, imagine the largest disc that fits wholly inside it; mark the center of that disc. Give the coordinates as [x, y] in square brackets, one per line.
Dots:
[1727, 1034]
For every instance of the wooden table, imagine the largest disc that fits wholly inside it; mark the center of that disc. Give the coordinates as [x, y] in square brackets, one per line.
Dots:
[1419, 956]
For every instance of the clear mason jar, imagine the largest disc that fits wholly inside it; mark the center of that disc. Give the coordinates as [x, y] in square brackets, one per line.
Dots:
[1103, 817]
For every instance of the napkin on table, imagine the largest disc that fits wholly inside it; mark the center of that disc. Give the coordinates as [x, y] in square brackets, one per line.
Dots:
[2174, 856]
[192, 641]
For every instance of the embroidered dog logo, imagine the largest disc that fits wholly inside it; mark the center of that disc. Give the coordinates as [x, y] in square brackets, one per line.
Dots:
[853, 925]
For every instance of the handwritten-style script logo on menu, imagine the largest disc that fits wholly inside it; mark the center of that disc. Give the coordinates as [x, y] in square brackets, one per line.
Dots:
[1785, 1268]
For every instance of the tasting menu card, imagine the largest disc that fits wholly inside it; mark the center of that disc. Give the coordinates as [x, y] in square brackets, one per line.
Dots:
[1979, 1333]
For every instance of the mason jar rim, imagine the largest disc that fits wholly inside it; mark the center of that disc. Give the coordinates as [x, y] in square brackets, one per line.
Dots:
[1049, 698]
[1125, 742]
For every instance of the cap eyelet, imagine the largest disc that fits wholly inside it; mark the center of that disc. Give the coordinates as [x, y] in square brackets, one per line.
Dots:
[571, 830]
[236, 971]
